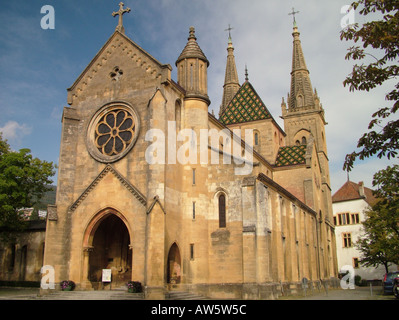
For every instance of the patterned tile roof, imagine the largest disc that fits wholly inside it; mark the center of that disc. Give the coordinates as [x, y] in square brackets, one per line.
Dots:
[245, 106]
[288, 156]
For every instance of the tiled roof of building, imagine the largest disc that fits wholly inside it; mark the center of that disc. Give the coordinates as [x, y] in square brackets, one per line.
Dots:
[291, 155]
[244, 107]
[353, 191]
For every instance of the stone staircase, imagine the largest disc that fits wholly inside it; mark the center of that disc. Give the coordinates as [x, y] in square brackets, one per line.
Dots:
[183, 295]
[117, 294]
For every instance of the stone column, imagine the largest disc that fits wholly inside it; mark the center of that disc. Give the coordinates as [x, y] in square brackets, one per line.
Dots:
[85, 283]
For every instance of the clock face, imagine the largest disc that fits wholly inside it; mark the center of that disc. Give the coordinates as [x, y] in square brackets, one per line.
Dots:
[112, 132]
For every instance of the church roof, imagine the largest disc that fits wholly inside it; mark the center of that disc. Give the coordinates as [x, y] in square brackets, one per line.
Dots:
[244, 107]
[354, 191]
[291, 155]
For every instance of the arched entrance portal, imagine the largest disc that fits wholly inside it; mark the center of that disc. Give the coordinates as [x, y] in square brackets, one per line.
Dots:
[174, 265]
[110, 249]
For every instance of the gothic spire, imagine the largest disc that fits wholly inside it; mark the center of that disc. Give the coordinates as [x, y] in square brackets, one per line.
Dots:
[301, 94]
[231, 84]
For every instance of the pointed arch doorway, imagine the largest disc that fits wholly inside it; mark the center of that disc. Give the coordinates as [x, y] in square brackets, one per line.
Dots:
[174, 265]
[110, 248]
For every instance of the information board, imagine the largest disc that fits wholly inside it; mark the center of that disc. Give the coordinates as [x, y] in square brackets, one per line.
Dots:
[106, 275]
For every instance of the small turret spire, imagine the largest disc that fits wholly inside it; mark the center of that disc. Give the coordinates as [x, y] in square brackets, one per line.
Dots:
[192, 67]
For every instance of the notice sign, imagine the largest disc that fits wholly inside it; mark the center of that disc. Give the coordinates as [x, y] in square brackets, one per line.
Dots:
[106, 275]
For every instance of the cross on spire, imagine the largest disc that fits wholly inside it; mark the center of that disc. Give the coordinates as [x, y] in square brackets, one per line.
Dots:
[229, 29]
[120, 13]
[293, 13]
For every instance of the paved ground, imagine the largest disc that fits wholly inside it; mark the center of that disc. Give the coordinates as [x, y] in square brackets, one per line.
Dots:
[360, 293]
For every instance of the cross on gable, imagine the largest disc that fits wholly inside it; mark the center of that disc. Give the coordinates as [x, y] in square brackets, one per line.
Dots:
[120, 13]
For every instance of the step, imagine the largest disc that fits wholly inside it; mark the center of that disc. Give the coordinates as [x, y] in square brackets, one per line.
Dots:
[92, 295]
[183, 295]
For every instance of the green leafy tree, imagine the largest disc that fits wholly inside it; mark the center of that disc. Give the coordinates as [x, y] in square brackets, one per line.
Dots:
[23, 181]
[381, 37]
[380, 242]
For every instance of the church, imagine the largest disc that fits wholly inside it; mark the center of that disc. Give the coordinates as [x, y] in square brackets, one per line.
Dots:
[243, 211]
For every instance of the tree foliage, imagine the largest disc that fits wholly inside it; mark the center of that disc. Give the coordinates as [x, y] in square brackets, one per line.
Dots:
[380, 242]
[381, 36]
[23, 181]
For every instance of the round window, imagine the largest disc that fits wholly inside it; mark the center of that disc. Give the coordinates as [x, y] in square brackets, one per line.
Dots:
[112, 132]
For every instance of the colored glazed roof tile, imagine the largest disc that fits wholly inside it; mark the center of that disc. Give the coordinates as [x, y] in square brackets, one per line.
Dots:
[245, 106]
[292, 155]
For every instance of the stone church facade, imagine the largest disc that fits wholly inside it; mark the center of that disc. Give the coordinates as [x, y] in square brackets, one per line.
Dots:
[125, 203]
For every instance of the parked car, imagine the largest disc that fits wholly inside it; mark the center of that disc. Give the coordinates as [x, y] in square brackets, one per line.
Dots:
[388, 281]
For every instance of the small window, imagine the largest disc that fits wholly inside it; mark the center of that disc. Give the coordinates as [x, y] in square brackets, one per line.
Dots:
[256, 138]
[193, 176]
[355, 218]
[192, 251]
[222, 211]
[178, 115]
[11, 263]
[304, 142]
[356, 263]
[193, 210]
[347, 240]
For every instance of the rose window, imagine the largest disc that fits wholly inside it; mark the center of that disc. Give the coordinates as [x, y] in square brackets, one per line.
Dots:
[114, 132]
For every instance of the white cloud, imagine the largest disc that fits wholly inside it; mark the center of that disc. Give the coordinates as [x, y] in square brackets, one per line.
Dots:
[14, 132]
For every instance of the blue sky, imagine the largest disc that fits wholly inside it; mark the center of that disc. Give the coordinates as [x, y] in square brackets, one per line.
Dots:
[37, 65]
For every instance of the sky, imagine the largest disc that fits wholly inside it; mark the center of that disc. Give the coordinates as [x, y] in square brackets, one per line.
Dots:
[37, 65]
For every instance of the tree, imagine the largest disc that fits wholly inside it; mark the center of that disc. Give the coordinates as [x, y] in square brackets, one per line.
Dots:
[381, 36]
[23, 181]
[380, 243]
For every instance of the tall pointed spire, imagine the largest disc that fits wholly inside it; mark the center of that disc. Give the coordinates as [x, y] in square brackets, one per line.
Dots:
[231, 84]
[301, 94]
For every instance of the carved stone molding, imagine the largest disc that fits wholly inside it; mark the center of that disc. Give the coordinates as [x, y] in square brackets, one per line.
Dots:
[109, 169]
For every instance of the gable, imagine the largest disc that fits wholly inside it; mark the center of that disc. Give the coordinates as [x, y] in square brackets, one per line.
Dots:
[118, 52]
[109, 170]
[244, 107]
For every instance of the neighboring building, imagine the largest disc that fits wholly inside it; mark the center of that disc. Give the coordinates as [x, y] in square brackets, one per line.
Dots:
[349, 205]
[21, 257]
[22, 253]
[217, 229]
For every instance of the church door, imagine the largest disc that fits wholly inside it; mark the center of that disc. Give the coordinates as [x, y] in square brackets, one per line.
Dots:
[110, 250]
[174, 265]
